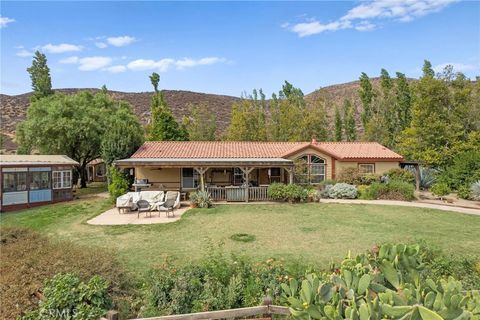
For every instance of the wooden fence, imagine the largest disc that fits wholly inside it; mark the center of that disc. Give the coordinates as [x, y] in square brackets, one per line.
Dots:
[266, 310]
[238, 193]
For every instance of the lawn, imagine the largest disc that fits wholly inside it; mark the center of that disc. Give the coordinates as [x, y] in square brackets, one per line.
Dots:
[315, 233]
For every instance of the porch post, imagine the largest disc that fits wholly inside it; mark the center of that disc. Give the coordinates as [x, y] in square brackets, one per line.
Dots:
[246, 171]
[290, 175]
[202, 171]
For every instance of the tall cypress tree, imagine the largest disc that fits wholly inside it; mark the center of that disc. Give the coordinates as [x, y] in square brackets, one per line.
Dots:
[403, 102]
[163, 125]
[40, 76]
[427, 69]
[367, 95]
[349, 121]
[338, 125]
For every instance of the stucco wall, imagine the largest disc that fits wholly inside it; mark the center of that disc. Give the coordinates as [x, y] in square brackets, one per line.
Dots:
[169, 177]
[380, 167]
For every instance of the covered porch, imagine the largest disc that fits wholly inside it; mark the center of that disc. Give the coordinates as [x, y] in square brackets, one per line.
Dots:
[225, 179]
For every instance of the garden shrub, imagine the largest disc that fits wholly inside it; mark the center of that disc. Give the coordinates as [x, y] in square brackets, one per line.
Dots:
[67, 296]
[363, 192]
[287, 192]
[401, 175]
[463, 192]
[464, 171]
[440, 189]
[428, 176]
[118, 183]
[393, 190]
[214, 283]
[349, 175]
[343, 191]
[326, 182]
[475, 191]
[276, 191]
[370, 178]
[200, 199]
[28, 259]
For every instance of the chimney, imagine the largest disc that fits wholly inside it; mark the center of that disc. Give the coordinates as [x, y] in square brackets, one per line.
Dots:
[314, 141]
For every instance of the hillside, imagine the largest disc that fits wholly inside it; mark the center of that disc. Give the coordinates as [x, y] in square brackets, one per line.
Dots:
[13, 108]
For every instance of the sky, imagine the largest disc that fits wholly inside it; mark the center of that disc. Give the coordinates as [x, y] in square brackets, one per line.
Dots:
[233, 47]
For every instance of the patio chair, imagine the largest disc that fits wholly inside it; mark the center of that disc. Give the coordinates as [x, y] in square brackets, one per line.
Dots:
[143, 206]
[171, 203]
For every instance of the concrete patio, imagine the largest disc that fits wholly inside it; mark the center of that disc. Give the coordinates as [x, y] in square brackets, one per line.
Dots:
[113, 217]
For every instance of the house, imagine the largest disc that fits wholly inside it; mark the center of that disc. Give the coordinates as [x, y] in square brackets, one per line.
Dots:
[96, 171]
[33, 180]
[224, 167]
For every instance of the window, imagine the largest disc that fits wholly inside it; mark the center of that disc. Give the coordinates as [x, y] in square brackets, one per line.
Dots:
[62, 179]
[275, 174]
[366, 168]
[14, 181]
[190, 178]
[310, 169]
[237, 177]
[100, 170]
[39, 180]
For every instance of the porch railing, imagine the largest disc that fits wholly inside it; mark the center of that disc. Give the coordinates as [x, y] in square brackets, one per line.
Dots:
[238, 193]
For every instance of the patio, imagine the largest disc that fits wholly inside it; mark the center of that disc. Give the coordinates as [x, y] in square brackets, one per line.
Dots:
[113, 217]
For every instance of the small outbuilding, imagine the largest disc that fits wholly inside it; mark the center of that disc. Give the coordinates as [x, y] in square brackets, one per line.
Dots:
[33, 180]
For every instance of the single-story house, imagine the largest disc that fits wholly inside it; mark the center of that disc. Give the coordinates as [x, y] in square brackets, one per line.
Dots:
[242, 171]
[33, 180]
[96, 171]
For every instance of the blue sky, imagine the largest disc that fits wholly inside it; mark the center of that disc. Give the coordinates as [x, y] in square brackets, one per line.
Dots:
[230, 47]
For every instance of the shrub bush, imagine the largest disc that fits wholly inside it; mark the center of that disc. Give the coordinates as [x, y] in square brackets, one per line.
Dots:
[440, 189]
[118, 183]
[276, 191]
[475, 191]
[428, 176]
[363, 192]
[393, 190]
[370, 178]
[200, 199]
[349, 175]
[287, 192]
[401, 175]
[66, 296]
[464, 171]
[295, 193]
[463, 192]
[28, 259]
[342, 191]
[212, 284]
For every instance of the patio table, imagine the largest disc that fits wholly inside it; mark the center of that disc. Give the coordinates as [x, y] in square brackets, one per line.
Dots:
[157, 205]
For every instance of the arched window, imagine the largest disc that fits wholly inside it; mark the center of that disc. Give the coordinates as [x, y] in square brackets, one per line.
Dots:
[310, 169]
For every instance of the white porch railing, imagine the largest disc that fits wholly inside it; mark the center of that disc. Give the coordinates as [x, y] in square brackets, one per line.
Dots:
[233, 193]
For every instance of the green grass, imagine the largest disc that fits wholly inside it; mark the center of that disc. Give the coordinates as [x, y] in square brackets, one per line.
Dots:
[313, 232]
[92, 189]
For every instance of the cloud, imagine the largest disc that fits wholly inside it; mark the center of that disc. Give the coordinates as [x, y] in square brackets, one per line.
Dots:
[88, 63]
[4, 21]
[457, 67]
[60, 48]
[24, 53]
[101, 45]
[360, 16]
[70, 60]
[116, 69]
[120, 41]
[164, 64]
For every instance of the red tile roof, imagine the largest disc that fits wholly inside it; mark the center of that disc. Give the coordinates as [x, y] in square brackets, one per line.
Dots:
[250, 149]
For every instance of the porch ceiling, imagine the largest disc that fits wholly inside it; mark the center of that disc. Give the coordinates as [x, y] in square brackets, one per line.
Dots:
[204, 162]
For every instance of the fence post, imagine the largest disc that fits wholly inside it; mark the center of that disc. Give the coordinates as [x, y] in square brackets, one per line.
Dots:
[112, 315]
[267, 301]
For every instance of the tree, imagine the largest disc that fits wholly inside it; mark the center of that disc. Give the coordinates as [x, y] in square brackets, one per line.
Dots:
[123, 135]
[163, 125]
[248, 122]
[75, 125]
[315, 123]
[338, 125]
[403, 101]
[367, 95]
[40, 76]
[349, 121]
[427, 69]
[200, 123]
